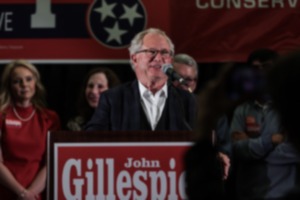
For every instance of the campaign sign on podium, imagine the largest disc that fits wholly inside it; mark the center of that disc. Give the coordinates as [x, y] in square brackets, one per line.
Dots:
[117, 165]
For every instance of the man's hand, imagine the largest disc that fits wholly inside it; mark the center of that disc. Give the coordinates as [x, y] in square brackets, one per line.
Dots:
[277, 138]
[226, 164]
[239, 135]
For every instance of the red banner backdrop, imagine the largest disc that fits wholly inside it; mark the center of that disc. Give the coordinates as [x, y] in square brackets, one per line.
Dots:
[101, 30]
[225, 30]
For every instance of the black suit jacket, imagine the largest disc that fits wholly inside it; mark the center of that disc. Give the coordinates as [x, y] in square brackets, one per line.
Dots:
[120, 109]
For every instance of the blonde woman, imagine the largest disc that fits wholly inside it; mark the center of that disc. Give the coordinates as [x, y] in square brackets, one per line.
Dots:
[24, 124]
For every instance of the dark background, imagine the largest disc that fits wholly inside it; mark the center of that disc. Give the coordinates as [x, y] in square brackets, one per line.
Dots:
[63, 82]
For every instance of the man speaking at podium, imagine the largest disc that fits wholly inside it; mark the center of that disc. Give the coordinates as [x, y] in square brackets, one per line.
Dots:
[150, 102]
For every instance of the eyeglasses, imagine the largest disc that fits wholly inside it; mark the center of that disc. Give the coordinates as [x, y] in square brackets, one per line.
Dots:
[263, 66]
[188, 79]
[153, 52]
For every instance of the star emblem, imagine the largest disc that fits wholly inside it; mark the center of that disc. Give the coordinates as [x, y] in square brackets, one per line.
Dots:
[106, 10]
[131, 13]
[118, 23]
[115, 33]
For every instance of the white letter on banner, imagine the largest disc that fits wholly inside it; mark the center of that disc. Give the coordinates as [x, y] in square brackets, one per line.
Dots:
[263, 4]
[140, 185]
[249, 4]
[100, 179]
[90, 180]
[280, 2]
[66, 180]
[182, 186]
[123, 182]
[215, 6]
[235, 3]
[154, 176]
[111, 178]
[5, 20]
[43, 18]
[198, 4]
[172, 180]
[293, 3]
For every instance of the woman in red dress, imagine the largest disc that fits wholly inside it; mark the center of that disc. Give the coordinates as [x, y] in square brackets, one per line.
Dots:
[24, 124]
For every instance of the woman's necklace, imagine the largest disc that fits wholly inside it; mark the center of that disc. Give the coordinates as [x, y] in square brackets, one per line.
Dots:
[21, 118]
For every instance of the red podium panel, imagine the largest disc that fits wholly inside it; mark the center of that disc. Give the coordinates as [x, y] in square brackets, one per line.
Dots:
[116, 165]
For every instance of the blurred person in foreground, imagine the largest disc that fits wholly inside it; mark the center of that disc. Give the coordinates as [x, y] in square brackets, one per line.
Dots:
[283, 82]
[94, 84]
[150, 102]
[24, 124]
[187, 67]
[204, 170]
[282, 85]
[266, 162]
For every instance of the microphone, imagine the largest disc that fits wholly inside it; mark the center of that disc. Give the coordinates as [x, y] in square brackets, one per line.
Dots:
[168, 70]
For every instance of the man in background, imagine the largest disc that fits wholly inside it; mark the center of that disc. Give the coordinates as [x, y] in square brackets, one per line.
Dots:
[266, 163]
[187, 68]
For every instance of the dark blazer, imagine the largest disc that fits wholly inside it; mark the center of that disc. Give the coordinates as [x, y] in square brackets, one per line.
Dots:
[120, 109]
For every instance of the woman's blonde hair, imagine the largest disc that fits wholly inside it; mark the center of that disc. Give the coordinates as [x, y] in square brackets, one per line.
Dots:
[6, 98]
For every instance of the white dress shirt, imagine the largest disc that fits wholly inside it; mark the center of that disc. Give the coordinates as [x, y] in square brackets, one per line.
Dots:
[153, 105]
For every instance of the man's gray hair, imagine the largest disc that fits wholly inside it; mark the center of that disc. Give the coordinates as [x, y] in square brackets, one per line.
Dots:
[137, 41]
[186, 59]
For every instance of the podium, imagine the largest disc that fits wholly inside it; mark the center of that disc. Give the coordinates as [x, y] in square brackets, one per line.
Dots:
[116, 165]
